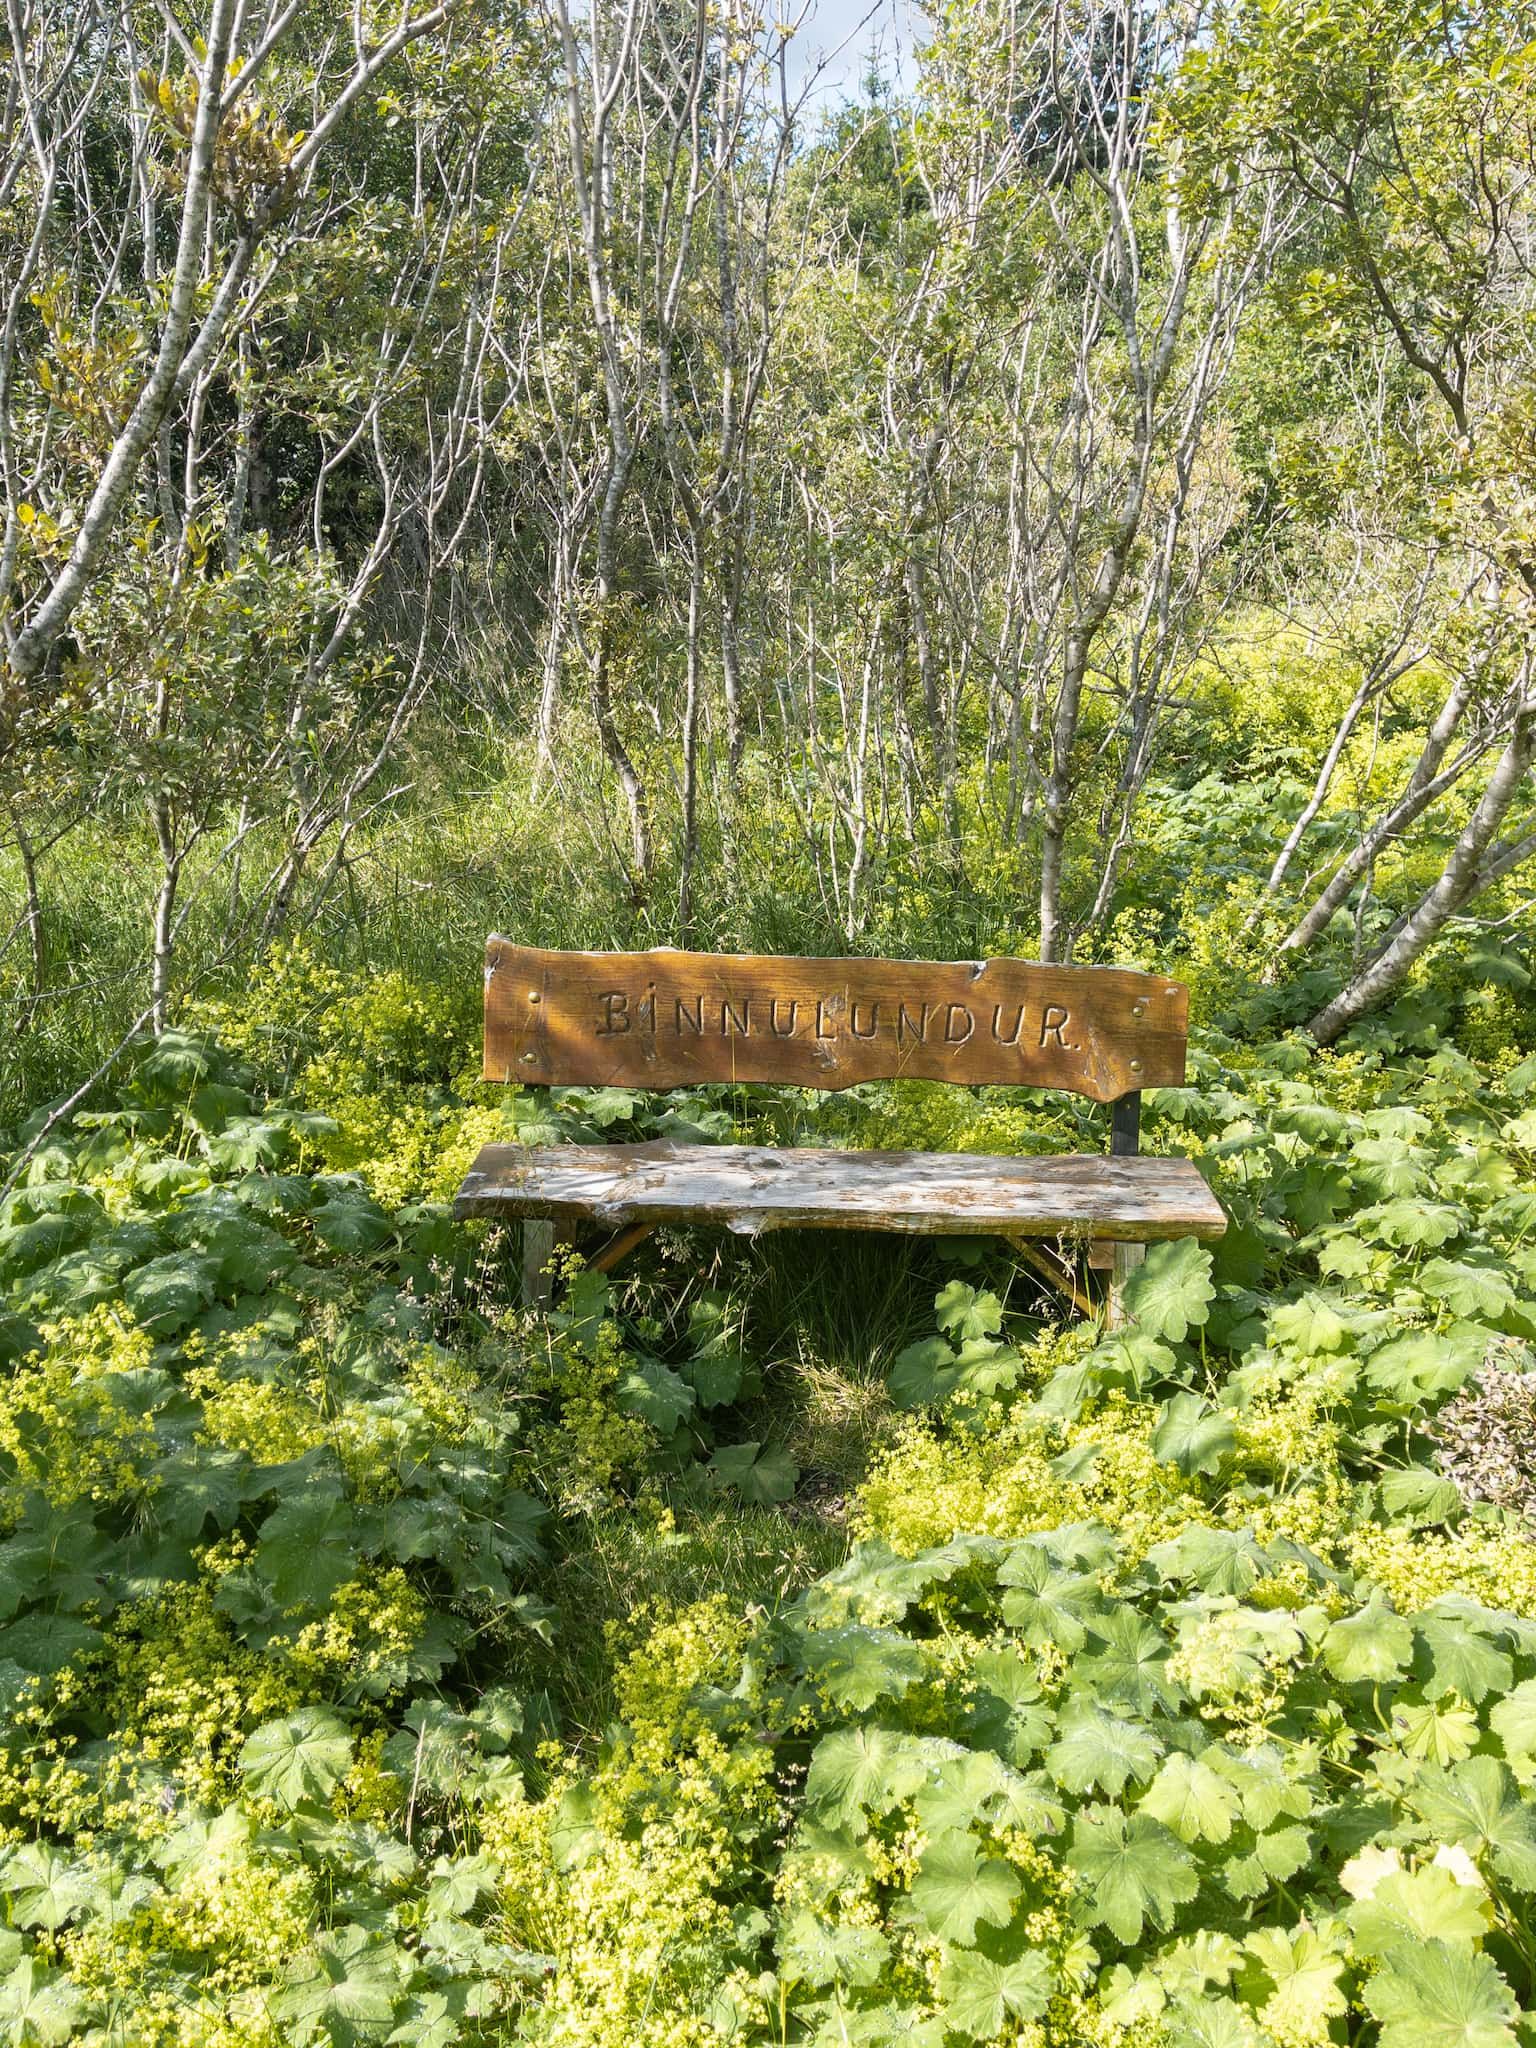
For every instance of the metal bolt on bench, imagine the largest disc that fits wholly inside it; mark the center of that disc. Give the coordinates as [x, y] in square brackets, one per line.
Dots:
[668, 1019]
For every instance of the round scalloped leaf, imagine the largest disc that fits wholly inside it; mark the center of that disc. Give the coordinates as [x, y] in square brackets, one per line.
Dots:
[1431, 1996]
[303, 1757]
[1170, 1292]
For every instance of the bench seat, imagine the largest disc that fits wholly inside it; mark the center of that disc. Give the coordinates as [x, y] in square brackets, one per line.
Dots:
[753, 1188]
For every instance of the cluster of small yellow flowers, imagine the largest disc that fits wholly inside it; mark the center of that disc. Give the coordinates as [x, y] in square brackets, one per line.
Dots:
[360, 1052]
[369, 1629]
[1317, 1514]
[40, 1786]
[1236, 1662]
[253, 1915]
[1143, 1498]
[464, 1137]
[1415, 1566]
[591, 1445]
[370, 1791]
[393, 1143]
[445, 1390]
[923, 1487]
[997, 1479]
[270, 1423]
[1284, 1434]
[515, 1834]
[1288, 2028]
[1291, 1585]
[637, 1929]
[675, 1654]
[238, 1920]
[66, 1427]
[184, 1690]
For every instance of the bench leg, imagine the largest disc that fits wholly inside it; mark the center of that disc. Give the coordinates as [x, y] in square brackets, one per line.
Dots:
[540, 1236]
[1126, 1258]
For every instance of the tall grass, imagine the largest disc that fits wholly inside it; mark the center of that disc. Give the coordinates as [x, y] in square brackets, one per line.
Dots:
[469, 847]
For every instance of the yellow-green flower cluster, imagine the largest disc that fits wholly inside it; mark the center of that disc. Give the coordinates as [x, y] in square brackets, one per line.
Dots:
[68, 1428]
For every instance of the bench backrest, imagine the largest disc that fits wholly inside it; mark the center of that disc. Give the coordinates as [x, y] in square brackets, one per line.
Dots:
[667, 1019]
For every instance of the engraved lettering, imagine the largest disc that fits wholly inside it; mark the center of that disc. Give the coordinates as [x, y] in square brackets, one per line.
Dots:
[822, 1020]
[1053, 1023]
[773, 1018]
[694, 1019]
[1018, 1025]
[952, 1015]
[904, 1024]
[874, 1021]
[732, 1019]
[645, 1011]
[616, 1013]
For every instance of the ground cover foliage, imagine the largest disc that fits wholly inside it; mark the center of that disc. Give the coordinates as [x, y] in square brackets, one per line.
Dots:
[1163, 1686]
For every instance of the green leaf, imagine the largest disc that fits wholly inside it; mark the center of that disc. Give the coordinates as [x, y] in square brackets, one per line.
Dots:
[348, 1983]
[957, 1789]
[1130, 1668]
[307, 1547]
[963, 1312]
[856, 1666]
[956, 1887]
[46, 1643]
[1514, 1722]
[303, 1757]
[1192, 1799]
[350, 1221]
[248, 1143]
[1468, 1290]
[759, 1474]
[1098, 1750]
[1410, 1224]
[820, 1951]
[1416, 1368]
[38, 2005]
[1045, 1604]
[716, 1377]
[1192, 1435]
[923, 1373]
[169, 1292]
[1419, 1494]
[1313, 1325]
[1409, 1906]
[1008, 1714]
[980, 1996]
[1170, 1292]
[1302, 1992]
[1371, 1647]
[44, 1888]
[656, 1394]
[1135, 1869]
[1461, 1660]
[1443, 1731]
[859, 1771]
[1431, 1996]
[1275, 1857]
[1216, 1560]
[1477, 1805]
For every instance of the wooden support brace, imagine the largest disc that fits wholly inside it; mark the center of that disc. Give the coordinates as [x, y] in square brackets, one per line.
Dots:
[619, 1247]
[1052, 1270]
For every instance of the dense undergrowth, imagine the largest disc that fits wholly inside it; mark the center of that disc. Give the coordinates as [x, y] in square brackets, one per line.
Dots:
[723, 1657]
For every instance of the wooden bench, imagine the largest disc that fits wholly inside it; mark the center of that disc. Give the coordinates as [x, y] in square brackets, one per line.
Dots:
[668, 1019]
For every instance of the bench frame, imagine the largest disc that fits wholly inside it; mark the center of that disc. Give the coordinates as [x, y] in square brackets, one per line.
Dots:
[664, 1019]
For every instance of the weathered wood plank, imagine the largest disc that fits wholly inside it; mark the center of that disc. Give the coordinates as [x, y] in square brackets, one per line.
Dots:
[668, 1019]
[750, 1188]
